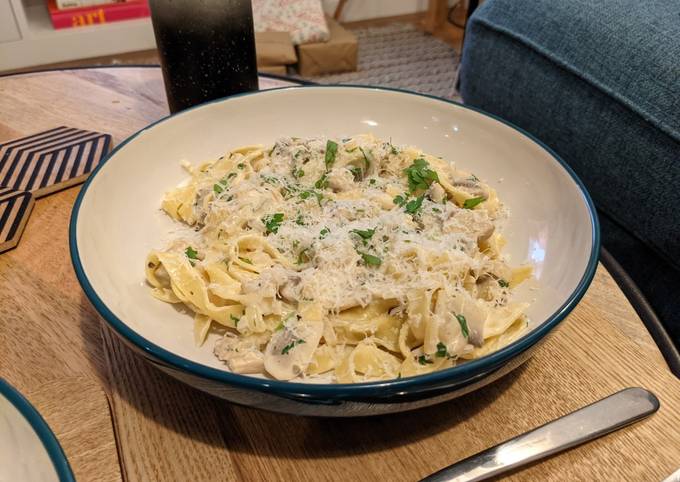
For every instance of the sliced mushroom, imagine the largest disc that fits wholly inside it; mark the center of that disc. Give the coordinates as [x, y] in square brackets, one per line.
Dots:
[498, 269]
[485, 231]
[288, 290]
[475, 316]
[291, 349]
[241, 356]
[437, 193]
[341, 179]
[472, 187]
[450, 331]
[487, 287]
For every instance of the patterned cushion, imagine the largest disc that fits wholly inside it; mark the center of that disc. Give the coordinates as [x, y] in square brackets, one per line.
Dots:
[304, 19]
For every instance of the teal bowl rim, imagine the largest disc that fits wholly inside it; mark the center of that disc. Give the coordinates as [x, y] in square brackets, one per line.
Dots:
[364, 390]
[42, 430]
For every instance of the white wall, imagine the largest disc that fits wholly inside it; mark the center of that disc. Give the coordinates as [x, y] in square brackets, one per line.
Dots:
[363, 9]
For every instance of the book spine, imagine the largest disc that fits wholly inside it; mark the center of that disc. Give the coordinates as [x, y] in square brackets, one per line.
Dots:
[63, 4]
[98, 14]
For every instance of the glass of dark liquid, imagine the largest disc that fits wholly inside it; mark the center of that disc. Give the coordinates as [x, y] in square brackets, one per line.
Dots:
[206, 47]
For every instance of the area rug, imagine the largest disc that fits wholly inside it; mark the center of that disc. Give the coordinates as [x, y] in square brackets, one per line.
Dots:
[401, 56]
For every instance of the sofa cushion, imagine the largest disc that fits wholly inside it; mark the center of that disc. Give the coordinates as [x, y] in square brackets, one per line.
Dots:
[623, 59]
[599, 82]
[627, 48]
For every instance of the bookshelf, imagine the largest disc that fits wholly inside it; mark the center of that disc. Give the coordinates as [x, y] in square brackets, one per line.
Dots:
[36, 42]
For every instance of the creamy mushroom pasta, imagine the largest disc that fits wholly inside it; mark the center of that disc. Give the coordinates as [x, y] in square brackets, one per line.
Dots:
[347, 259]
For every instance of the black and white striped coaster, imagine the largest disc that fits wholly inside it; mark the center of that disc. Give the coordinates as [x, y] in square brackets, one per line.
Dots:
[51, 160]
[40, 164]
[15, 208]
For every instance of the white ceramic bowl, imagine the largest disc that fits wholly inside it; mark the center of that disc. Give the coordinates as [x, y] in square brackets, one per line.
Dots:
[29, 451]
[117, 220]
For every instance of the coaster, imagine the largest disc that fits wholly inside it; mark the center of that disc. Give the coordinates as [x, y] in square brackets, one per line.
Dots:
[51, 160]
[15, 208]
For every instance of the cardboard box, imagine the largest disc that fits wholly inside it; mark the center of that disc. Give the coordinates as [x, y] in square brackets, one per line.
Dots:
[272, 69]
[337, 55]
[274, 49]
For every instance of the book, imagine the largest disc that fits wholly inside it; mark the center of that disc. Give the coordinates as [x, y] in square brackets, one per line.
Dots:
[96, 14]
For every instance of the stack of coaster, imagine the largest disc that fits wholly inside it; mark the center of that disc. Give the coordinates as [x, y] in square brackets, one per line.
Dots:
[40, 164]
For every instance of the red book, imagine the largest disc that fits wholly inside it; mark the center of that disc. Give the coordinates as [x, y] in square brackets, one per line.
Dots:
[82, 16]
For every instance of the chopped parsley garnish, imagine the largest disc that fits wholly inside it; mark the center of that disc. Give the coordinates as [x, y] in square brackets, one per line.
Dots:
[302, 256]
[473, 178]
[269, 179]
[414, 205]
[463, 325]
[419, 175]
[324, 232]
[472, 202]
[503, 284]
[367, 158]
[364, 234]
[234, 319]
[400, 200]
[393, 149]
[272, 222]
[246, 260]
[369, 259]
[424, 360]
[241, 165]
[291, 345]
[271, 151]
[279, 327]
[371, 182]
[296, 243]
[331, 152]
[436, 210]
[222, 184]
[192, 254]
[298, 173]
[305, 195]
[300, 220]
[322, 182]
[357, 173]
[441, 350]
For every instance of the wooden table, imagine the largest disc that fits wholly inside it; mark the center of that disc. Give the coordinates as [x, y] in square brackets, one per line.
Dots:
[54, 345]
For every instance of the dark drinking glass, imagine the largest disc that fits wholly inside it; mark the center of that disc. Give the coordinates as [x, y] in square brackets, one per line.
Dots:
[206, 47]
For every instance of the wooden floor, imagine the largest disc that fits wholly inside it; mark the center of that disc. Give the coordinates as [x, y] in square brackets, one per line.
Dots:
[449, 33]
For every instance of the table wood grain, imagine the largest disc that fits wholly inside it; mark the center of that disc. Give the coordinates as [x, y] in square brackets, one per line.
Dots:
[167, 431]
[77, 411]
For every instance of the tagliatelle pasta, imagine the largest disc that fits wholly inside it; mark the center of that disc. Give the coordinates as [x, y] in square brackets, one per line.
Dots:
[348, 259]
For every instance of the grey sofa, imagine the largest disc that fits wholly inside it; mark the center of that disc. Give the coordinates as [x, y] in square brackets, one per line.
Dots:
[599, 82]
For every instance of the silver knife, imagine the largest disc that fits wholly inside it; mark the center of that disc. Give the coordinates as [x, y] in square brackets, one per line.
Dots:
[588, 423]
